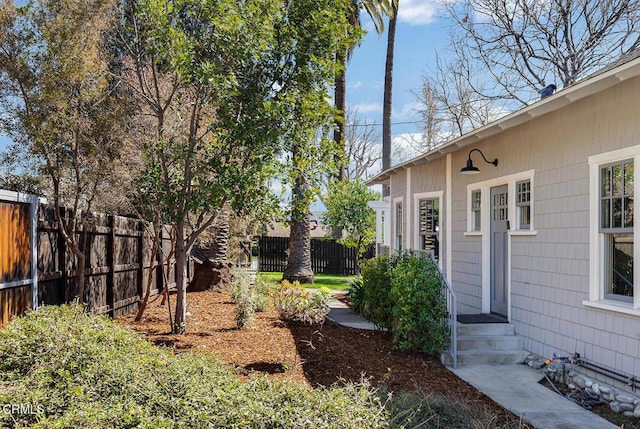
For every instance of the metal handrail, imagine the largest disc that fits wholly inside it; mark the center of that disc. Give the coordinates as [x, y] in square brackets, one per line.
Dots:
[452, 307]
[383, 249]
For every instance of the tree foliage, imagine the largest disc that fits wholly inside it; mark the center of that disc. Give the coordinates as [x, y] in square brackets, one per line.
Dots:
[61, 104]
[347, 210]
[224, 85]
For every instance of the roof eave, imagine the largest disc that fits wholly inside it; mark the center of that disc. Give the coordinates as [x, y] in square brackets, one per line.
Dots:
[550, 104]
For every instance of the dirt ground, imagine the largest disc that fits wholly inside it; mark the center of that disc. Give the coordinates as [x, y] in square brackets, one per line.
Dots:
[315, 355]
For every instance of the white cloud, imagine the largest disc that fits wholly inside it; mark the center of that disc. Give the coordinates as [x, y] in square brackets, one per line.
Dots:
[367, 107]
[410, 111]
[355, 86]
[405, 146]
[417, 12]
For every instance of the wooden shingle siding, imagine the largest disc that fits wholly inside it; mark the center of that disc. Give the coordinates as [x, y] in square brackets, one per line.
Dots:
[556, 145]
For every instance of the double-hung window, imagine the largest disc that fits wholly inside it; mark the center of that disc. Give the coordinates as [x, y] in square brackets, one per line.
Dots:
[612, 273]
[616, 227]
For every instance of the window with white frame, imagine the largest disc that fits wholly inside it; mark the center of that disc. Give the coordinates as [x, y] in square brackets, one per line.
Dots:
[429, 224]
[523, 204]
[612, 231]
[616, 227]
[399, 222]
[476, 210]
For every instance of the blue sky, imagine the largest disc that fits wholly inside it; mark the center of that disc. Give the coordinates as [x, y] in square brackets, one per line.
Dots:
[420, 33]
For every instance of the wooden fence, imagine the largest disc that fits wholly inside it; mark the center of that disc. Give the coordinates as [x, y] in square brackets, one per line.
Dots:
[327, 256]
[18, 278]
[118, 260]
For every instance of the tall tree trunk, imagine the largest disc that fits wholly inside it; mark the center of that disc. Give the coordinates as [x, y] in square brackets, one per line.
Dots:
[341, 107]
[340, 100]
[179, 326]
[299, 260]
[387, 106]
[219, 251]
[215, 271]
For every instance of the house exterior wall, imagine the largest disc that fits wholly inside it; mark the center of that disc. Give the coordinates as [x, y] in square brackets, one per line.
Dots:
[549, 265]
[398, 191]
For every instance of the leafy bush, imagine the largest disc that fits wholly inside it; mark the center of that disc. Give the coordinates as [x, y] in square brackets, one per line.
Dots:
[377, 291]
[242, 295]
[403, 293]
[434, 411]
[356, 294]
[78, 370]
[294, 302]
[419, 306]
[261, 294]
[248, 298]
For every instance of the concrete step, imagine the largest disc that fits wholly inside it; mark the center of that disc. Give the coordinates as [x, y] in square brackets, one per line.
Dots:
[484, 357]
[487, 343]
[490, 342]
[491, 329]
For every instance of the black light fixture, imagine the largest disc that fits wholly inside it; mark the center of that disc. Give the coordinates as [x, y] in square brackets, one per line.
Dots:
[471, 169]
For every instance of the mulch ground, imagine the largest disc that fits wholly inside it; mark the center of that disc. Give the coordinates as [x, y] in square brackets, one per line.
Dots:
[315, 355]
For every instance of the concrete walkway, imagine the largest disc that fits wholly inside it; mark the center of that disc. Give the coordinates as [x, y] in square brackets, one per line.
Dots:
[341, 314]
[514, 387]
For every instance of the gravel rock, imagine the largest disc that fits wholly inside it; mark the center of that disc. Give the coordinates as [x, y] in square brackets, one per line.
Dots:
[626, 399]
[615, 406]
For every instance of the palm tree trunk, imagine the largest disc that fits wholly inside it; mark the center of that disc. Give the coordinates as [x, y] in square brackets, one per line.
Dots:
[388, 95]
[340, 92]
[299, 260]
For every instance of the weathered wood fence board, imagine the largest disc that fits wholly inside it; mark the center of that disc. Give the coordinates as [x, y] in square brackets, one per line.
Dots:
[327, 256]
[118, 261]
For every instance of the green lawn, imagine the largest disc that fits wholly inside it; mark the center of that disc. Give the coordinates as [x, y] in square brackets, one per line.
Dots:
[327, 280]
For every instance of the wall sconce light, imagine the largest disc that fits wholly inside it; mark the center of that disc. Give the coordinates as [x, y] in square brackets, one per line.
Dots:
[471, 169]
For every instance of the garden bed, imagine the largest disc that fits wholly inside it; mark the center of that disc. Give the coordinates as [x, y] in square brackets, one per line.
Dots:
[315, 355]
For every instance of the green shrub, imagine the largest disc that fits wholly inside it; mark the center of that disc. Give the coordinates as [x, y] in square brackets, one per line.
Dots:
[86, 371]
[247, 297]
[242, 294]
[356, 295]
[435, 411]
[403, 293]
[419, 306]
[261, 294]
[377, 291]
[294, 302]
